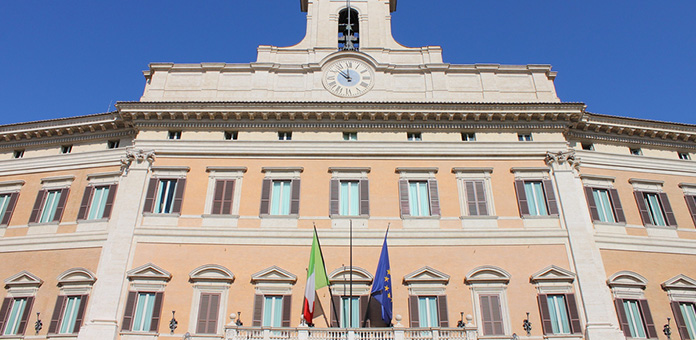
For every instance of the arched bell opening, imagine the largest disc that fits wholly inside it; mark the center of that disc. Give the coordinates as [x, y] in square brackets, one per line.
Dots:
[348, 30]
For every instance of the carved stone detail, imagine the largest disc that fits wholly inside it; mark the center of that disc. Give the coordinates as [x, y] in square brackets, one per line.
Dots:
[563, 158]
[138, 156]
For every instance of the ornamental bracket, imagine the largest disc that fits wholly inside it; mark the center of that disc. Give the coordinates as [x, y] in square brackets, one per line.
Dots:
[563, 160]
[138, 157]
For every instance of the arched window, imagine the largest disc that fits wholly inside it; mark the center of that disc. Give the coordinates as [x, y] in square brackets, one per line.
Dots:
[348, 30]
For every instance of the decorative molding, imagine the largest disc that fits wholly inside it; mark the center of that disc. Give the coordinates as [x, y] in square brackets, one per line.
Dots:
[70, 139]
[487, 275]
[23, 279]
[413, 170]
[487, 170]
[267, 169]
[627, 279]
[138, 156]
[426, 275]
[242, 169]
[273, 274]
[350, 169]
[598, 177]
[76, 276]
[211, 273]
[646, 181]
[149, 272]
[552, 274]
[560, 158]
[680, 282]
[668, 143]
[343, 274]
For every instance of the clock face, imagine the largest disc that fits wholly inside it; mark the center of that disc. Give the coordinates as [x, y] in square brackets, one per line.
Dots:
[348, 78]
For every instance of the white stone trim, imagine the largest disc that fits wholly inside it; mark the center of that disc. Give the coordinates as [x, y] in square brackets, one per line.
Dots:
[487, 275]
[339, 279]
[22, 284]
[273, 281]
[104, 178]
[282, 172]
[210, 278]
[689, 188]
[11, 186]
[646, 185]
[597, 181]
[680, 288]
[475, 174]
[148, 277]
[489, 280]
[223, 173]
[426, 281]
[76, 281]
[553, 280]
[627, 285]
[170, 171]
[531, 173]
[58, 182]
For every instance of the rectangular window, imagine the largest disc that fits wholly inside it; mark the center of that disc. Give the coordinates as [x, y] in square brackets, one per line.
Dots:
[491, 314]
[208, 309]
[14, 316]
[418, 198]
[174, 135]
[350, 136]
[636, 326]
[476, 198]
[524, 137]
[66, 149]
[536, 201]
[652, 202]
[72, 306]
[414, 136]
[165, 196]
[164, 200]
[7, 206]
[18, 154]
[348, 302]
[636, 151]
[113, 144]
[691, 203]
[273, 311]
[468, 137]
[222, 197]
[98, 203]
[349, 198]
[231, 135]
[143, 312]
[50, 206]
[285, 135]
[558, 313]
[604, 207]
[684, 156]
[655, 208]
[427, 311]
[588, 146]
[688, 314]
[280, 198]
[68, 314]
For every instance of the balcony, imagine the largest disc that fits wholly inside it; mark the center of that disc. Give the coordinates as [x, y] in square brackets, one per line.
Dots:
[305, 333]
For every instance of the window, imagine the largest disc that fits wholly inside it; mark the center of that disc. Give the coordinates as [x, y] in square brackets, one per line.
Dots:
[427, 302]
[690, 202]
[655, 209]
[272, 303]
[684, 156]
[604, 205]
[165, 196]
[272, 311]
[468, 137]
[223, 196]
[427, 311]
[685, 316]
[144, 303]
[280, 197]
[631, 307]
[414, 136]
[524, 137]
[489, 285]
[588, 146]
[66, 149]
[349, 197]
[97, 202]
[557, 306]
[8, 202]
[636, 151]
[231, 135]
[350, 311]
[633, 317]
[475, 194]
[113, 144]
[536, 198]
[350, 136]
[17, 311]
[67, 315]
[49, 206]
[174, 135]
[419, 198]
[211, 283]
[18, 154]
[558, 314]
[491, 314]
[208, 313]
[286, 135]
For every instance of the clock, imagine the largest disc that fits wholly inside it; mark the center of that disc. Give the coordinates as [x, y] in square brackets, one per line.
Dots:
[348, 78]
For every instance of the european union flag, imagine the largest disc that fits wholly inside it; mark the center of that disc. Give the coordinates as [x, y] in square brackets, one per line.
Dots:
[382, 287]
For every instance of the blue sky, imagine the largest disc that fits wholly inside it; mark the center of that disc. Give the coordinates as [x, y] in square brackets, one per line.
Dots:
[634, 58]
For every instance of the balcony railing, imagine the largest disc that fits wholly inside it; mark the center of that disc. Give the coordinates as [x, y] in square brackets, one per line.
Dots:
[306, 333]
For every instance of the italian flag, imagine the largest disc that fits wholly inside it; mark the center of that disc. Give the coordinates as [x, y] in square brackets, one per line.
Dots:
[316, 278]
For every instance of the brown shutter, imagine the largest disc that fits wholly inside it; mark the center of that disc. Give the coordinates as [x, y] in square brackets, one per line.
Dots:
[25, 316]
[403, 198]
[218, 197]
[57, 316]
[334, 193]
[38, 206]
[546, 325]
[287, 308]
[434, 198]
[491, 315]
[413, 311]
[618, 209]
[690, 201]
[128, 313]
[550, 197]
[295, 197]
[156, 312]
[84, 205]
[213, 313]
[679, 319]
[471, 198]
[364, 301]
[521, 198]
[228, 197]
[110, 201]
[442, 311]
[573, 315]
[669, 213]
[481, 199]
[179, 195]
[623, 320]
[594, 213]
[364, 197]
[80, 313]
[258, 310]
[150, 196]
[335, 307]
[10, 208]
[265, 198]
[202, 325]
[497, 314]
[5, 312]
[61, 204]
[644, 213]
[647, 317]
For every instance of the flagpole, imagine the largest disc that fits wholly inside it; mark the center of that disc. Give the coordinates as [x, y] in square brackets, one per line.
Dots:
[321, 253]
[350, 299]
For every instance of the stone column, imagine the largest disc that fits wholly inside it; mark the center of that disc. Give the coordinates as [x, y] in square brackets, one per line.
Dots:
[601, 322]
[102, 317]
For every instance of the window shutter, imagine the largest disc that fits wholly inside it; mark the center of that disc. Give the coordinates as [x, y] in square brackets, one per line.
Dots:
[80, 313]
[434, 198]
[364, 197]
[550, 197]
[258, 309]
[690, 201]
[203, 309]
[218, 198]
[179, 195]
[110, 201]
[491, 315]
[335, 307]
[265, 199]
[4, 312]
[521, 198]
[679, 319]
[647, 317]
[57, 314]
[156, 312]
[471, 203]
[295, 197]
[594, 213]
[10, 208]
[413, 311]
[403, 198]
[61, 204]
[644, 214]
[669, 213]
[442, 310]
[150, 196]
[38, 206]
[129, 311]
[364, 301]
[334, 193]
[575, 326]
[228, 197]
[481, 198]
[213, 313]
[25, 316]
[287, 308]
[84, 205]
[545, 315]
[618, 209]
[623, 320]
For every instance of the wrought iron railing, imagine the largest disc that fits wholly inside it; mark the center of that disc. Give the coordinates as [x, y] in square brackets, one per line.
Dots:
[306, 333]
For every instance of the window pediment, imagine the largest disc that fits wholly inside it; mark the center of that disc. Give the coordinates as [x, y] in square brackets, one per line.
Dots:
[23, 279]
[149, 271]
[487, 274]
[76, 276]
[627, 279]
[343, 275]
[426, 275]
[680, 282]
[211, 272]
[273, 274]
[552, 274]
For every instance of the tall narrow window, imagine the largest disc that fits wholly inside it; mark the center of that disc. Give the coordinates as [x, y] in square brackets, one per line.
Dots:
[427, 311]
[604, 208]
[491, 314]
[222, 197]
[418, 198]
[273, 311]
[8, 202]
[652, 202]
[97, 202]
[655, 209]
[350, 198]
[49, 206]
[350, 304]
[164, 201]
[687, 322]
[280, 198]
[72, 306]
[143, 312]
[634, 318]
[208, 313]
[165, 196]
[558, 313]
[348, 30]
[604, 205]
[15, 316]
[476, 198]
[535, 198]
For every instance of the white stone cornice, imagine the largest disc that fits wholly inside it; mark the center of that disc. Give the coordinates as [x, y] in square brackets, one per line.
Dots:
[594, 159]
[63, 130]
[82, 160]
[52, 242]
[19, 141]
[646, 244]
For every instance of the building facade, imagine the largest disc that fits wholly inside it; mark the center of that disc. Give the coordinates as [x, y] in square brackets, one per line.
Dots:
[190, 213]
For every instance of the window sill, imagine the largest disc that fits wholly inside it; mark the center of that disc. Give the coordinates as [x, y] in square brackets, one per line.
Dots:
[62, 336]
[545, 222]
[479, 222]
[610, 224]
[153, 219]
[99, 220]
[92, 225]
[36, 224]
[432, 217]
[279, 221]
[430, 222]
[563, 336]
[219, 220]
[539, 217]
[128, 335]
[344, 222]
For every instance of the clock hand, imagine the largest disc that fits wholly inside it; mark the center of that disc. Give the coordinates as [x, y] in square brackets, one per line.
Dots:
[345, 75]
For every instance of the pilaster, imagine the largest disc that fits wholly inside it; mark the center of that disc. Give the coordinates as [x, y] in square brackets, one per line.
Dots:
[601, 322]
